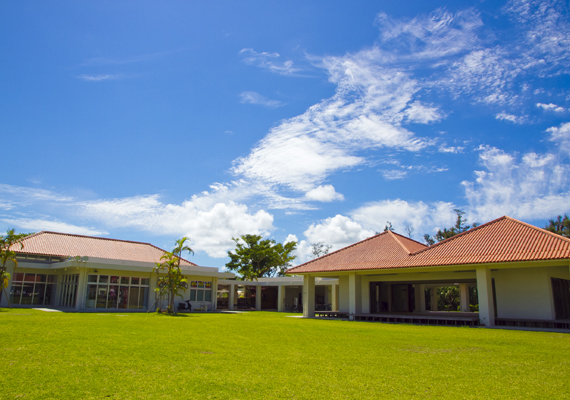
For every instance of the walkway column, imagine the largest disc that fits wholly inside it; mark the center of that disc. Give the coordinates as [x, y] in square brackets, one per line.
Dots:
[280, 298]
[418, 297]
[81, 287]
[258, 298]
[464, 297]
[214, 294]
[433, 298]
[485, 294]
[334, 297]
[422, 298]
[231, 295]
[354, 295]
[308, 296]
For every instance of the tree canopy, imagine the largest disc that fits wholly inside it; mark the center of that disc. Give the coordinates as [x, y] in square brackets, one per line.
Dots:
[560, 226]
[6, 241]
[320, 249]
[446, 233]
[256, 257]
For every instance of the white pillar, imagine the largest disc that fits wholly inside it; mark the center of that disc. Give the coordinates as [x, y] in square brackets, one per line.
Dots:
[81, 288]
[343, 293]
[422, 298]
[433, 297]
[464, 297]
[485, 294]
[280, 298]
[334, 297]
[153, 284]
[354, 294]
[418, 297]
[214, 294]
[308, 296]
[258, 298]
[231, 296]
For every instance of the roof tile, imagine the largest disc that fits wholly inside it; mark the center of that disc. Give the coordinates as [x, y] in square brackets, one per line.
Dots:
[63, 245]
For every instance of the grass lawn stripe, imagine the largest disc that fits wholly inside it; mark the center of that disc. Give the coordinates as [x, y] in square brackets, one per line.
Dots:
[267, 355]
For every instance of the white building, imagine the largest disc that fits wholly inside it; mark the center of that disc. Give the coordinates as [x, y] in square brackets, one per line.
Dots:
[76, 272]
[520, 275]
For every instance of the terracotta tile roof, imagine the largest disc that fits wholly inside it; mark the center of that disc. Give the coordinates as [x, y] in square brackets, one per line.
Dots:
[63, 244]
[502, 240]
[385, 250]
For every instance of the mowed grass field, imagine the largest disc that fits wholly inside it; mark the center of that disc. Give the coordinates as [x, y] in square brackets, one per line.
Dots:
[261, 355]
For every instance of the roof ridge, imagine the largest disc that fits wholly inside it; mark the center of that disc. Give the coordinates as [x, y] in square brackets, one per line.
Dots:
[542, 230]
[336, 251]
[393, 234]
[90, 237]
[460, 234]
[100, 238]
[408, 238]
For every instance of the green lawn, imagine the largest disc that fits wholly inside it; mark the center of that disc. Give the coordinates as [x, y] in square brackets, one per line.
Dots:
[267, 355]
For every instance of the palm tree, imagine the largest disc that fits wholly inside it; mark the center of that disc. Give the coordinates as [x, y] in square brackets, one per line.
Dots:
[6, 242]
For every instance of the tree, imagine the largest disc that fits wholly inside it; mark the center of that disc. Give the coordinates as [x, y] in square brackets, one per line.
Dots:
[320, 249]
[560, 226]
[388, 226]
[409, 230]
[446, 233]
[174, 281]
[255, 257]
[6, 242]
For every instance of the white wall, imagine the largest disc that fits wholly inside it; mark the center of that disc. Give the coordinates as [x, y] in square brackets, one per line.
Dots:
[343, 293]
[526, 292]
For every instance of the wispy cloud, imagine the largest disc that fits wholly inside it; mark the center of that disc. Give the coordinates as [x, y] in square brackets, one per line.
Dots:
[444, 148]
[551, 107]
[22, 193]
[99, 78]
[36, 225]
[503, 116]
[256, 98]
[269, 61]
[533, 186]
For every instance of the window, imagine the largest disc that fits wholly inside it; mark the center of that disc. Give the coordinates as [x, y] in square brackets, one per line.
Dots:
[200, 291]
[33, 289]
[112, 292]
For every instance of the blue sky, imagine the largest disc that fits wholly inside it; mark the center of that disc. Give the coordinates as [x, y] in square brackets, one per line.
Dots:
[296, 120]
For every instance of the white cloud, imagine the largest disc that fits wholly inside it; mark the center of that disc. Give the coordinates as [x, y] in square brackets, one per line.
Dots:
[443, 148]
[256, 98]
[98, 78]
[26, 194]
[338, 231]
[551, 107]
[423, 217]
[208, 221]
[324, 193]
[269, 61]
[393, 174]
[417, 112]
[503, 116]
[437, 35]
[561, 135]
[36, 225]
[532, 187]
[365, 113]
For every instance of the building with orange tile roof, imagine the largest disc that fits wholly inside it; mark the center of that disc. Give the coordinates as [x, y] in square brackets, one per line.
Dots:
[516, 273]
[93, 273]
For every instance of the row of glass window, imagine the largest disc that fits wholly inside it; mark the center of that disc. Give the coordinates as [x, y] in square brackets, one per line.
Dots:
[104, 291]
[123, 280]
[33, 289]
[200, 295]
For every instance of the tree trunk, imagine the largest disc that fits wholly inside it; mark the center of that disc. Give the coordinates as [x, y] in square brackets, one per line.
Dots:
[7, 298]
